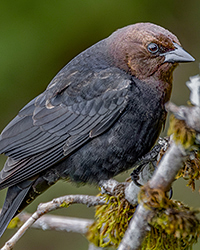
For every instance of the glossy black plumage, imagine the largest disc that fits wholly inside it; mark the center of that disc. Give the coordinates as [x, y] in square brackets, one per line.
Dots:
[95, 119]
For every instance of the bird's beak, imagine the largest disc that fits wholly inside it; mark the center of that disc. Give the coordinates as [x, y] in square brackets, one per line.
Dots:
[177, 55]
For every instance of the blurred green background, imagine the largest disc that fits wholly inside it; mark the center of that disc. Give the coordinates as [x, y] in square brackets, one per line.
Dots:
[37, 38]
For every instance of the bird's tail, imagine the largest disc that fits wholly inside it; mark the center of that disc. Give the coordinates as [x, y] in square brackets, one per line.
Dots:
[21, 195]
[14, 198]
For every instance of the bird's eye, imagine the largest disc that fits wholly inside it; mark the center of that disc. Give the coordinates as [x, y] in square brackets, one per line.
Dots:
[153, 48]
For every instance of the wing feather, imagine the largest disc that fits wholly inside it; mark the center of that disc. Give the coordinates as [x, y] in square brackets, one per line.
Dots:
[52, 126]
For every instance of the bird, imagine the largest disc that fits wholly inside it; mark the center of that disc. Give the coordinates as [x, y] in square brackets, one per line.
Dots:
[102, 112]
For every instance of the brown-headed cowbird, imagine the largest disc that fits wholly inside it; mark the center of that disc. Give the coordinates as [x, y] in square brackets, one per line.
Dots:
[101, 112]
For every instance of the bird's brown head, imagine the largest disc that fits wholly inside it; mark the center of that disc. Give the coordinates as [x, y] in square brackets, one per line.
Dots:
[146, 50]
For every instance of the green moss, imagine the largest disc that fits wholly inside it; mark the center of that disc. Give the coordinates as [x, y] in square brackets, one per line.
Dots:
[191, 170]
[174, 226]
[181, 132]
[111, 221]
[187, 138]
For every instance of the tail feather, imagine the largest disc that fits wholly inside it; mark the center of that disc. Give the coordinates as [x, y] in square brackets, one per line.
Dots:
[21, 195]
[14, 198]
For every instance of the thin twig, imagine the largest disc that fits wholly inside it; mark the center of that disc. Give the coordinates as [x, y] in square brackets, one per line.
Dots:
[59, 223]
[50, 206]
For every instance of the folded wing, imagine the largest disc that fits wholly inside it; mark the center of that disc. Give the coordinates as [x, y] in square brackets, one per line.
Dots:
[58, 122]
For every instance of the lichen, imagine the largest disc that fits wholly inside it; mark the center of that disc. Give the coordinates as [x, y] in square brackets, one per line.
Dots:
[15, 222]
[65, 204]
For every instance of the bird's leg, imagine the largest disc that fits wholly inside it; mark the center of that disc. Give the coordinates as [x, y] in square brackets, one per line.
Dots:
[108, 186]
[149, 158]
[135, 175]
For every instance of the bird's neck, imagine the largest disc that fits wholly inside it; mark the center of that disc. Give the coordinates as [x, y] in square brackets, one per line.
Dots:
[163, 87]
[161, 80]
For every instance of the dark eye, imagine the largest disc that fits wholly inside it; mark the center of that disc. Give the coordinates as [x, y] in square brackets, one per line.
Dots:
[153, 48]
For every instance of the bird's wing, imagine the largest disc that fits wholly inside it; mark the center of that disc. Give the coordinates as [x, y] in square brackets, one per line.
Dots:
[56, 123]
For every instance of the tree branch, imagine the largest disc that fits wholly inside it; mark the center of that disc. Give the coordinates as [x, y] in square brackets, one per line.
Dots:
[162, 178]
[191, 115]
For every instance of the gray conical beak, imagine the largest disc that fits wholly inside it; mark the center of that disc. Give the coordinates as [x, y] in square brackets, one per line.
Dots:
[177, 55]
